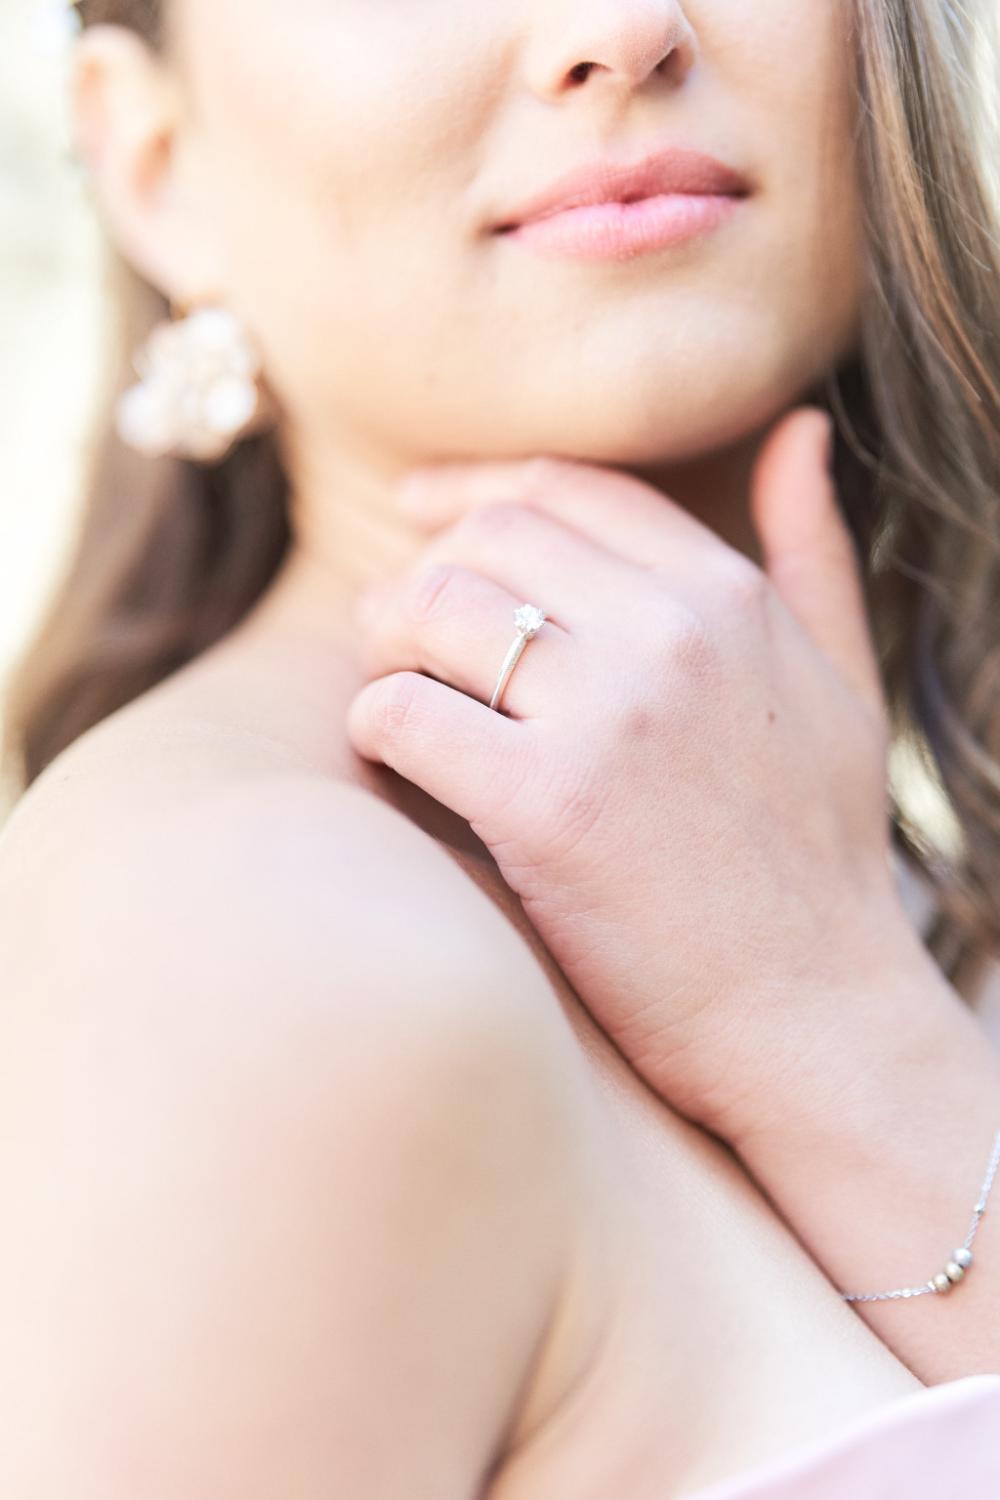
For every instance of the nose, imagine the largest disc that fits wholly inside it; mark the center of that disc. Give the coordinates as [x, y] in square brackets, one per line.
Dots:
[610, 45]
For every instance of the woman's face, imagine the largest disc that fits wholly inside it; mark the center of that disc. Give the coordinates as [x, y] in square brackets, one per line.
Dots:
[352, 156]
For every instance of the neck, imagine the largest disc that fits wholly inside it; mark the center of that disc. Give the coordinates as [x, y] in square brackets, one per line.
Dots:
[346, 531]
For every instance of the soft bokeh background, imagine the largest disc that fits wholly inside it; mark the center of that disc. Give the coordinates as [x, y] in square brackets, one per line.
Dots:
[55, 326]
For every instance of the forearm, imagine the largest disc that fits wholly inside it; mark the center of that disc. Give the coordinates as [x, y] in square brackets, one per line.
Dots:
[877, 1152]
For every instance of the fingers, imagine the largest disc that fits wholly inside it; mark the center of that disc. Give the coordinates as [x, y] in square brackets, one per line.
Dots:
[616, 511]
[809, 553]
[465, 755]
[457, 625]
[538, 560]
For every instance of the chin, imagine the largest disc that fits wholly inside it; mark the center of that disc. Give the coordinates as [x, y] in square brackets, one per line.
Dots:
[658, 430]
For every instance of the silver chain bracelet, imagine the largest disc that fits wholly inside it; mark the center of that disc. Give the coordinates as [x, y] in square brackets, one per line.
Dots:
[961, 1259]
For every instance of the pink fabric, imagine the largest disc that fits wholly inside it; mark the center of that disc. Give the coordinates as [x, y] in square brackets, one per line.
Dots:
[936, 1443]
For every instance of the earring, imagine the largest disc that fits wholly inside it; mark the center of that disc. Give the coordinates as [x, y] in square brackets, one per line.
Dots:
[199, 390]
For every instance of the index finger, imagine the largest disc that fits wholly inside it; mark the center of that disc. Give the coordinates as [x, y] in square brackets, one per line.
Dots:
[619, 512]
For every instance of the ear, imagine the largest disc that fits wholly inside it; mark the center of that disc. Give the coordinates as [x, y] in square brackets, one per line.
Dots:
[129, 124]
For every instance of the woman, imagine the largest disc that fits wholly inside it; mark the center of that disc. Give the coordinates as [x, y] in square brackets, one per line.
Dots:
[322, 1176]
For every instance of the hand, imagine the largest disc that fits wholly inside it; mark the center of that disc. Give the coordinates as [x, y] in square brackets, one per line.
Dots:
[686, 785]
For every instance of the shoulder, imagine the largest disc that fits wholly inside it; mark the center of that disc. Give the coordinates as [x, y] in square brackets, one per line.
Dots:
[272, 873]
[329, 1136]
[230, 873]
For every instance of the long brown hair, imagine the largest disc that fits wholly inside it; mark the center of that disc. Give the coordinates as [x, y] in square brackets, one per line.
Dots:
[171, 554]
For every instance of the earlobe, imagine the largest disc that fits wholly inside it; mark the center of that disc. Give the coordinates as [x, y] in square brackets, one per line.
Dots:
[126, 109]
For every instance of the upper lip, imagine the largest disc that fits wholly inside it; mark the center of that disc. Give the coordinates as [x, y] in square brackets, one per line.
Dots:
[673, 170]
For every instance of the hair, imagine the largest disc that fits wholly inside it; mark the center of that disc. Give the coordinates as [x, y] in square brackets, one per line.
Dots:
[171, 553]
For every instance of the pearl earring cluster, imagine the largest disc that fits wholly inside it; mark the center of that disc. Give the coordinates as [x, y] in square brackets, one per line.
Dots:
[199, 389]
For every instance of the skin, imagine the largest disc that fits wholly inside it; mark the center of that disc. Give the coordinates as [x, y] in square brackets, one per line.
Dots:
[731, 918]
[330, 174]
[439, 124]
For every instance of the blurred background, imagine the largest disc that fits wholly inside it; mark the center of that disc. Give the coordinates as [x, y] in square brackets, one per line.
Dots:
[54, 324]
[56, 332]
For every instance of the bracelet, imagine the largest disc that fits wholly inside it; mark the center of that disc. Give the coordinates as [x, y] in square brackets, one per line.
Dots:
[961, 1259]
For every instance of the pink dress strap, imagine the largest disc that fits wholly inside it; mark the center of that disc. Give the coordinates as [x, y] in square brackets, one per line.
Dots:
[938, 1441]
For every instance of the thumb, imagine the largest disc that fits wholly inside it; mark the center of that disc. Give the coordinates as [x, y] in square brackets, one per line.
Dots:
[808, 550]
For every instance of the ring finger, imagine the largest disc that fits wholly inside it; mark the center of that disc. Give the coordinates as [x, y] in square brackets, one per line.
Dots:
[456, 625]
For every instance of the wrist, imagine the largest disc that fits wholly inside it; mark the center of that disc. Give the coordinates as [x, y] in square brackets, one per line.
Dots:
[880, 1042]
[873, 1145]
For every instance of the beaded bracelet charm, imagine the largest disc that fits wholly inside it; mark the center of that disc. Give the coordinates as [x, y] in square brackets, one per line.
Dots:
[961, 1259]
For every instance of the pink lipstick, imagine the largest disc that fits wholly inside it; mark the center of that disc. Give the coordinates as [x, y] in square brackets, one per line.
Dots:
[612, 211]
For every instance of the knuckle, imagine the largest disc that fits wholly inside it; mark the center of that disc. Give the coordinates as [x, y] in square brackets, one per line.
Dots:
[683, 640]
[491, 523]
[642, 717]
[552, 481]
[544, 472]
[432, 591]
[397, 706]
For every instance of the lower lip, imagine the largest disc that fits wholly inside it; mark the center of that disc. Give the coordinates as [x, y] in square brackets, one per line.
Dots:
[620, 231]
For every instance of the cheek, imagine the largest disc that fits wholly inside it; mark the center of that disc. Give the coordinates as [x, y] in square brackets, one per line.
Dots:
[343, 158]
[339, 163]
[802, 71]
[784, 75]
[351, 108]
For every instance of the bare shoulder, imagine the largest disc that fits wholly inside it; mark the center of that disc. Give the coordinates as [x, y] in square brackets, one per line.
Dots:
[271, 872]
[311, 1166]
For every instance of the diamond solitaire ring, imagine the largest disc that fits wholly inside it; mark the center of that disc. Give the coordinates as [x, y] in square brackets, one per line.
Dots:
[529, 621]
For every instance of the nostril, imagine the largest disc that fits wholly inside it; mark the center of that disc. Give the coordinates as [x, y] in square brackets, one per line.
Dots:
[581, 72]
